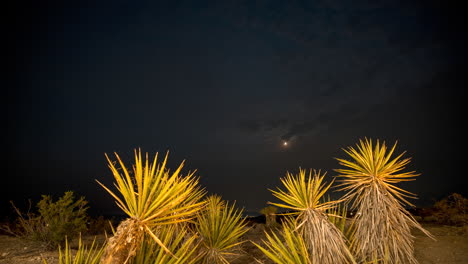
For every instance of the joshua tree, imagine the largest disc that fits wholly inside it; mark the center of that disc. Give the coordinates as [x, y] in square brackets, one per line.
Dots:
[321, 238]
[151, 197]
[382, 227]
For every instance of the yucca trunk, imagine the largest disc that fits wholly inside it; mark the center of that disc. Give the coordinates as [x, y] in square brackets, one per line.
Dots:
[383, 229]
[324, 242]
[125, 243]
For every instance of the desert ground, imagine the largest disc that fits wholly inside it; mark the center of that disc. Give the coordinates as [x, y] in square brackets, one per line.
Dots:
[451, 247]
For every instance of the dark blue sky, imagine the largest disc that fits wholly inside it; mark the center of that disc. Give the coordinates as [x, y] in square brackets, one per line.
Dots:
[222, 85]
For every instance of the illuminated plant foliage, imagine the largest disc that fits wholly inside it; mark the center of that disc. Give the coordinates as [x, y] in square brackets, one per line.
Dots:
[151, 196]
[382, 227]
[83, 255]
[180, 242]
[303, 194]
[220, 227]
[289, 248]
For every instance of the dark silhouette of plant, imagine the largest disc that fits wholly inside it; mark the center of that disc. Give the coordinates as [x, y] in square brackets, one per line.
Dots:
[270, 216]
[452, 210]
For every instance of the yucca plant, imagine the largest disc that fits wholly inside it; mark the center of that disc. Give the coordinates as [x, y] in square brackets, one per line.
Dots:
[220, 226]
[338, 216]
[151, 196]
[303, 194]
[290, 248]
[83, 255]
[382, 226]
[181, 242]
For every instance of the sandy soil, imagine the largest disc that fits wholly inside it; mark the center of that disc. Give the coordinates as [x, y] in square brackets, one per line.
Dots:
[451, 247]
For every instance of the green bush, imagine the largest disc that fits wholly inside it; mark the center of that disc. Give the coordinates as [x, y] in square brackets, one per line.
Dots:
[54, 220]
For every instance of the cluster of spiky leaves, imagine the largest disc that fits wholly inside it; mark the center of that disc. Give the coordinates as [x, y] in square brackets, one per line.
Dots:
[338, 216]
[289, 248]
[180, 241]
[382, 227]
[151, 196]
[220, 226]
[324, 242]
[83, 255]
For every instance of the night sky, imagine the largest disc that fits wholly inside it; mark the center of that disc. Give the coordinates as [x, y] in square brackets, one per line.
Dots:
[223, 85]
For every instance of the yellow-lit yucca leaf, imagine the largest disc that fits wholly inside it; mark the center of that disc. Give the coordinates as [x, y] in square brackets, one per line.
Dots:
[381, 230]
[83, 255]
[373, 165]
[303, 193]
[324, 242]
[182, 243]
[290, 248]
[220, 226]
[151, 196]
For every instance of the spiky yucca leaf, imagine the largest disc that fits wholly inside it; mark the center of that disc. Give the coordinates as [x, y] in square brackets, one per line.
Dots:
[338, 216]
[325, 243]
[220, 226]
[371, 165]
[303, 193]
[83, 255]
[382, 227]
[181, 242]
[151, 196]
[290, 248]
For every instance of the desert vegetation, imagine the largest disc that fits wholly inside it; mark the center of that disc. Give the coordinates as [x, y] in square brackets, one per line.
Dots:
[171, 219]
[53, 221]
[382, 227]
[322, 240]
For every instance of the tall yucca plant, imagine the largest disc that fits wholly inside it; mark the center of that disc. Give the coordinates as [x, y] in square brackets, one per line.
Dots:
[220, 226]
[324, 242]
[151, 196]
[382, 227]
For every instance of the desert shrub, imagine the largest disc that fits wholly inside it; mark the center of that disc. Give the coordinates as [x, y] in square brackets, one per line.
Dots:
[53, 220]
[452, 210]
[270, 216]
